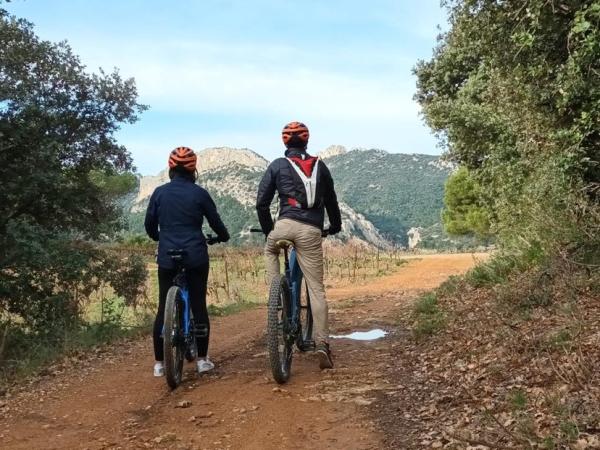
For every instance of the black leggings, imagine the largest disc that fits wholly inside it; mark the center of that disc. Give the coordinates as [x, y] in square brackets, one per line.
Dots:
[197, 279]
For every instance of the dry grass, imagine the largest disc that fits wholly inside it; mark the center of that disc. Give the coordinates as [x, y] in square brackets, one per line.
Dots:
[237, 276]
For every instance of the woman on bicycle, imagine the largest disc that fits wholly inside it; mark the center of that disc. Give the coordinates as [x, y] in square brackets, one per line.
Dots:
[174, 218]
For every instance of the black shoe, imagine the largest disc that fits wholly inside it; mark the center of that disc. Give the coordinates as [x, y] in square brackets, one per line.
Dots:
[325, 359]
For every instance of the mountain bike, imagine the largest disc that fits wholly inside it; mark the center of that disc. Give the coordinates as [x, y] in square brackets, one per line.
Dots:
[179, 331]
[289, 316]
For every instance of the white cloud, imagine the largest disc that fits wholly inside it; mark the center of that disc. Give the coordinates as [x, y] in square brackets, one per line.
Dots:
[250, 89]
[203, 77]
[353, 107]
[231, 73]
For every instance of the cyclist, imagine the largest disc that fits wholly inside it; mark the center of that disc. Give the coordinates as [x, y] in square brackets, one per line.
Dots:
[305, 189]
[174, 218]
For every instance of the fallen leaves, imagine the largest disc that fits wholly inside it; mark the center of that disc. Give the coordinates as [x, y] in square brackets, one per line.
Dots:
[491, 380]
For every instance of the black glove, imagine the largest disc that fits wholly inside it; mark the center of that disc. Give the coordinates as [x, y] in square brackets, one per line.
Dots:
[334, 230]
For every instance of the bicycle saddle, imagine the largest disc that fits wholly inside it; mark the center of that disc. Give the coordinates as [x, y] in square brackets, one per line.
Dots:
[284, 243]
[176, 254]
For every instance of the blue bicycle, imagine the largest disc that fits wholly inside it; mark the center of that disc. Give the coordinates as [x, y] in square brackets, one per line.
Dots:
[289, 317]
[179, 332]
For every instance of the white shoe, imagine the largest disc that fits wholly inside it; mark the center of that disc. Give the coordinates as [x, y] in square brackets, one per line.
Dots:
[204, 365]
[159, 370]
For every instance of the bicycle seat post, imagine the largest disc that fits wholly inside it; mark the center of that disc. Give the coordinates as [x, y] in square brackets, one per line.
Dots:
[286, 257]
[285, 245]
[178, 256]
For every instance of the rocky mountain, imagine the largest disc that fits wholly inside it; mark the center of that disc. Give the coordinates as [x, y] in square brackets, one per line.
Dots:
[221, 168]
[394, 191]
[382, 195]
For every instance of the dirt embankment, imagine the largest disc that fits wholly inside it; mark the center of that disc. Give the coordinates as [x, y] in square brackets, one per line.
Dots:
[114, 402]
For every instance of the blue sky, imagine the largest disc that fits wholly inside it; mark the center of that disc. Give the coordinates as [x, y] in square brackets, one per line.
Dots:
[233, 72]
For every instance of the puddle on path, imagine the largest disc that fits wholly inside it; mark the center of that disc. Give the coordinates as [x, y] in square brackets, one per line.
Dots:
[363, 335]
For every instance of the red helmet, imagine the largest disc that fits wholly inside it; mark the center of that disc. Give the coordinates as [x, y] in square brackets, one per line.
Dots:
[295, 129]
[184, 157]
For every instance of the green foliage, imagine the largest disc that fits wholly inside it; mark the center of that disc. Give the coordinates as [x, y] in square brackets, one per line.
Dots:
[25, 353]
[428, 318]
[451, 286]
[113, 185]
[513, 90]
[463, 211]
[62, 175]
[492, 272]
[569, 430]
[518, 399]
[561, 340]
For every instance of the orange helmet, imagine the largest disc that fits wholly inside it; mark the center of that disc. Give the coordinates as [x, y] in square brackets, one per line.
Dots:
[184, 157]
[295, 129]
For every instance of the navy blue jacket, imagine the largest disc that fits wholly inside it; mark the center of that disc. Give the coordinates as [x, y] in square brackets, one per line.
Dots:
[174, 218]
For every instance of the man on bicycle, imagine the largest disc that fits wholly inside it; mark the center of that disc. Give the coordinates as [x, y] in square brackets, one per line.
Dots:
[305, 189]
[174, 218]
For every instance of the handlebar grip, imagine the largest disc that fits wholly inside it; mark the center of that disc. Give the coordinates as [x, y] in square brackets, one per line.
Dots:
[256, 230]
[211, 240]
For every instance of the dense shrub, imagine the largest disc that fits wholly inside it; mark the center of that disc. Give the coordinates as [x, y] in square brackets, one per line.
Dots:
[62, 174]
[513, 90]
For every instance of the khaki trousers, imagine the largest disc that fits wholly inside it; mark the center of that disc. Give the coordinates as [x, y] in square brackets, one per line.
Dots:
[307, 241]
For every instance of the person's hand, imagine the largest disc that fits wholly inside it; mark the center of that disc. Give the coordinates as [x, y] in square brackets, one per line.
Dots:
[334, 230]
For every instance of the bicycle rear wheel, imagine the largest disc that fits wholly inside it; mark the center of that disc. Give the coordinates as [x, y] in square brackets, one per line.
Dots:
[279, 342]
[304, 339]
[173, 341]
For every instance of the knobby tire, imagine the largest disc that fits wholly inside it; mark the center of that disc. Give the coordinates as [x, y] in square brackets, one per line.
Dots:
[278, 344]
[172, 340]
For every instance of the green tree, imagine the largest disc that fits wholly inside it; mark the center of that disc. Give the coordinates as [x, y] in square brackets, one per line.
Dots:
[62, 174]
[513, 90]
[463, 211]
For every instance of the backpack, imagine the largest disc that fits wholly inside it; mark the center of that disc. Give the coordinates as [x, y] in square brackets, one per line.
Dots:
[308, 171]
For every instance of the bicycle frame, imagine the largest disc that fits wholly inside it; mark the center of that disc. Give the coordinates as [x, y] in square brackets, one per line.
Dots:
[294, 277]
[181, 282]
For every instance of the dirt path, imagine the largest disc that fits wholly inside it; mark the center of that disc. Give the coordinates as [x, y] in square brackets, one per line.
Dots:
[115, 402]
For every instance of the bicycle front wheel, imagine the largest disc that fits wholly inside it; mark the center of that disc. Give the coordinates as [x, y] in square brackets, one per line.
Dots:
[173, 340]
[279, 342]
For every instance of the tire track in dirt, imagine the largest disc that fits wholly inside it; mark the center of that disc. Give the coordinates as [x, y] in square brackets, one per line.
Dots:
[116, 403]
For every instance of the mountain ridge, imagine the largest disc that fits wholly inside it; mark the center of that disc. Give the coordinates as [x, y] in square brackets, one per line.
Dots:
[382, 195]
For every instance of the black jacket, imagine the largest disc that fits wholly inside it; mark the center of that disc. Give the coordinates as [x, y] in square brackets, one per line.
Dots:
[282, 178]
[178, 209]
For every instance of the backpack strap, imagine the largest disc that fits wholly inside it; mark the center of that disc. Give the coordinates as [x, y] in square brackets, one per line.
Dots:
[310, 182]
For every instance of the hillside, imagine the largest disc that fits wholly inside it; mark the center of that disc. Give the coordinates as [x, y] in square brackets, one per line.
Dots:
[382, 195]
[394, 191]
